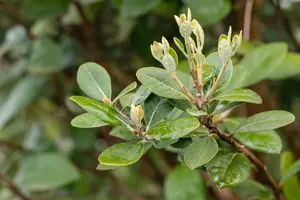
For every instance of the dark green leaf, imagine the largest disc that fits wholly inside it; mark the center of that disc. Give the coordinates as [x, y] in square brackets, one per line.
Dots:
[240, 95]
[184, 184]
[133, 8]
[266, 121]
[87, 120]
[123, 133]
[122, 154]
[200, 152]
[196, 112]
[228, 169]
[253, 190]
[173, 129]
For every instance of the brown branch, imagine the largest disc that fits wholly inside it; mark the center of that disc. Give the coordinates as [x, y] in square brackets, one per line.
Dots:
[9, 184]
[247, 19]
[11, 145]
[241, 148]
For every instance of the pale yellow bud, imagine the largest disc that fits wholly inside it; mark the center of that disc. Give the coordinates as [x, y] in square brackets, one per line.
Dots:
[106, 101]
[136, 114]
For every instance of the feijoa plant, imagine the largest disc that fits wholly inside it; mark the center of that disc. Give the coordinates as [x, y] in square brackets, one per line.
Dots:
[184, 110]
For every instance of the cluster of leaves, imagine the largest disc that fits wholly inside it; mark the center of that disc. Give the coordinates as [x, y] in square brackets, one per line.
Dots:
[168, 109]
[44, 42]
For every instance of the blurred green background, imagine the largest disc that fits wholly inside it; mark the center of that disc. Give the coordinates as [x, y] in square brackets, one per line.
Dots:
[43, 42]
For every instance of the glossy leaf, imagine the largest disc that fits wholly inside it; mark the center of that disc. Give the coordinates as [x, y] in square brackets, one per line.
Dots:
[159, 81]
[262, 61]
[126, 90]
[291, 171]
[250, 189]
[196, 112]
[156, 109]
[173, 129]
[94, 81]
[16, 100]
[266, 121]
[262, 141]
[87, 120]
[240, 95]
[291, 186]
[184, 184]
[122, 154]
[46, 171]
[215, 61]
[200, 152]
[100, 110]
[228, 169]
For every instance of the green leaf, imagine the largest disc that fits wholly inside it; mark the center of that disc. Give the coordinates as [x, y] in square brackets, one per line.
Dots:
[11, 74]
[196, 112]
[215, 61]
[46, 171]
[289, 67]
[173, 53]
[133, 8]
[263, 141]
[291, 186]
[126, 90]
[179, 44]
[126, 100]
[182, 104]
[100, 110]
[262, 61]
[228, 169]
[200, 152]
[208, 11]
[122, 154]
[240, 95]
[266, 121]
[156, 109]
[238, 77]
[184, 184]
[87, 120]
[291, 171]
[160, 82]
[23, 93]
[141, 95]
[94, 81]
[123, 133]
[226, 107]
[33, 9]
[253, 190]
[173, 129]
[164, 143]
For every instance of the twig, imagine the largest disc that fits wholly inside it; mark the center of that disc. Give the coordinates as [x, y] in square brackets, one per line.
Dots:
[247, 19]
[183, 88]
[11, 145]
[13, 187]
[241, 148]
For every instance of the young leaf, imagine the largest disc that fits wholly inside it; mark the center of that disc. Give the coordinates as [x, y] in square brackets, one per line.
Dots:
[291, 171]
[141, 95]
[100, 110]
[262, 141]
[266, 121]
[228, 169]
[291, 186]
[46, 171]
[184, 184]
[123, 133]
[126, 90]
[200, 152]
[215, 61]
[253, 190]
[87, 120]
[173, 129]
[94, 81]
[179, 44]
[196, 112]
[122, 154]
[156, 109]
[173, 53]
[240, 95]
[160, 82]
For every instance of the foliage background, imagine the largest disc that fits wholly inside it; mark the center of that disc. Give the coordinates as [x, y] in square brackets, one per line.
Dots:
[44, 42]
